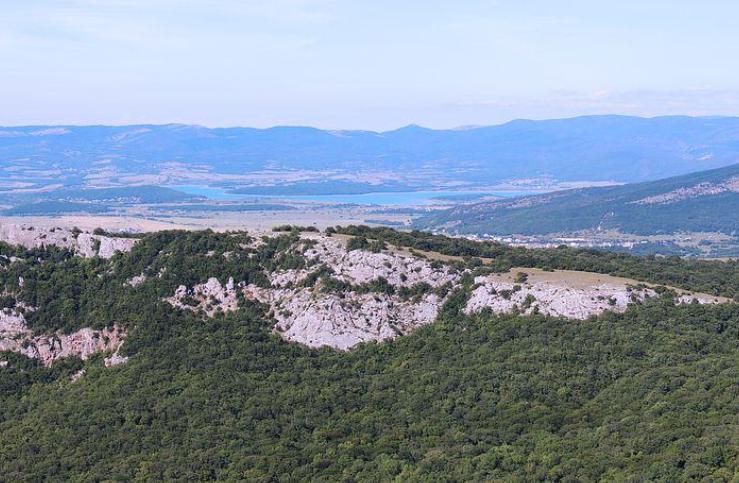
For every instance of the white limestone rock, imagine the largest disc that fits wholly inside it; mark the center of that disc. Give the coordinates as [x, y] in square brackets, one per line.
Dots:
[115, 359]
[360, 266]
[16, 337]
[551, 298]
[315, 318]
[342, 322]
[83, 244]
[210, 297]
[77, 375]
[136, 281]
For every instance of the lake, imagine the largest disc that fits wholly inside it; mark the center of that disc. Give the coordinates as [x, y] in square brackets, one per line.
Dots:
[403, 198]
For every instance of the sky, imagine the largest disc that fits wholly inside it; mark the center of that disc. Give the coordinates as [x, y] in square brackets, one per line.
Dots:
[371, 64]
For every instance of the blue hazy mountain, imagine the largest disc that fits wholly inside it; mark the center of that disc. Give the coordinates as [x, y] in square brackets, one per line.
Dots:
[597, 148]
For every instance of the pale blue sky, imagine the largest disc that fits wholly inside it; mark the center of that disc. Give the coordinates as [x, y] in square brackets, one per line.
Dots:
[373, 64]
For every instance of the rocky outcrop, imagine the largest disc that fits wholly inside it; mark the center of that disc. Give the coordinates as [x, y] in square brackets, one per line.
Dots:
[12, 323]
[688, 192]
[136, 281]
[360, 266]
[115, 359]
[16, 337]
[553, 299]
[210, 297]
[84, 244]
[315, 318]
[345, 320]
[77, 375]
[311, 314]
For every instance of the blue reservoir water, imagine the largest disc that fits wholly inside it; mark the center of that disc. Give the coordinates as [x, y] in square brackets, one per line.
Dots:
[380, 198]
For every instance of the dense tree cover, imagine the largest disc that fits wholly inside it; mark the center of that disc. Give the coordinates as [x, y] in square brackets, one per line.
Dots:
[714, 277]
[648, 395]
[116, 234]
[610, 207]
[361, 243]
[297, 228]
[652, 394]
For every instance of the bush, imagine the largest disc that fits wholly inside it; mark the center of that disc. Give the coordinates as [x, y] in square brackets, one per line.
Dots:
[357, 243]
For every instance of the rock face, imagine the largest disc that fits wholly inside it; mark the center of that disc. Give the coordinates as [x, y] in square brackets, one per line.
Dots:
[341, 319]
[14, 333]
[316, 318]
[360, 266]
[84, 244]
[552, 299]
[136, 281]
[211, 297]
[15, 337]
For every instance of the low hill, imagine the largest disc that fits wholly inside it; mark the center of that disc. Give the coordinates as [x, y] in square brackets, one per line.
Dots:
[707, 201]
[88, 200]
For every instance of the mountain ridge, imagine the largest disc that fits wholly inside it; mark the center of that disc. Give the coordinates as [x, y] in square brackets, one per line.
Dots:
[592, 148]
[410, 125]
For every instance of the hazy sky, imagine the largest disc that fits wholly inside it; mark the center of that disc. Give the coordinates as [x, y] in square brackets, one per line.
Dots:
[370, 64]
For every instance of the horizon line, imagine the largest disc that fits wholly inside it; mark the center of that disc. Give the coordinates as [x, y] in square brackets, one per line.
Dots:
[406, 126]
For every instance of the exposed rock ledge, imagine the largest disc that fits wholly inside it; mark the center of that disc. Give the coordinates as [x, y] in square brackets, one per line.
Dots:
[84, 244]
[688, 192]
[316, 318]
[15, 337]
[553, 299]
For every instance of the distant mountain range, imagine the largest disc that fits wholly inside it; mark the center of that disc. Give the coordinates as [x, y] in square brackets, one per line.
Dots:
[707, 201]
[592, 148]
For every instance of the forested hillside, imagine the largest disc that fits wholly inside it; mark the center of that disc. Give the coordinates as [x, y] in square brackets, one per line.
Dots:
[647, 394]
[706, 201]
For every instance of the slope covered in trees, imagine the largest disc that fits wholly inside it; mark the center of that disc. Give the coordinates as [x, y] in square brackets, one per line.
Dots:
[707, 201]
[650, 394]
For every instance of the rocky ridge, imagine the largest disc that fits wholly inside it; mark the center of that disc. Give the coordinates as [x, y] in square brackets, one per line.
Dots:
[558, 300]
[341, 318]
[340, 298]
[315, 317]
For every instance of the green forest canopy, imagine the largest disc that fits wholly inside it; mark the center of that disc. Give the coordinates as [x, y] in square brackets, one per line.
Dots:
[652, 394]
